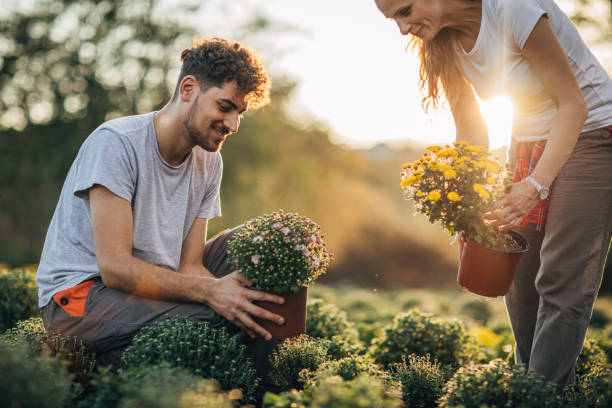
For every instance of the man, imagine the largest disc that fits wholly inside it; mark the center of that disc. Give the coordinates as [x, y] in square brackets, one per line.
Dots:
[127, 243]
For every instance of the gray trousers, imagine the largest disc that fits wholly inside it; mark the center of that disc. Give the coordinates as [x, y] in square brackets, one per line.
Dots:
[551, 299]
[113, 317]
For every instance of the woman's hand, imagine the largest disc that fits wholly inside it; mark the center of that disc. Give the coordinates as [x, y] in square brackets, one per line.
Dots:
[515, 206]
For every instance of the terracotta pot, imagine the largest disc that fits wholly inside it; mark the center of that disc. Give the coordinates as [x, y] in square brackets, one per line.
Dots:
[293, 311]
[489, 272]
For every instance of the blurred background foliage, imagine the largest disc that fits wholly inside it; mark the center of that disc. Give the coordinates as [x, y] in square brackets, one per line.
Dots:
[67, 66]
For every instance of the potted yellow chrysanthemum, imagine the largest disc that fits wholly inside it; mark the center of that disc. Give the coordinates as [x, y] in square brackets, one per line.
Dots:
[456, 185]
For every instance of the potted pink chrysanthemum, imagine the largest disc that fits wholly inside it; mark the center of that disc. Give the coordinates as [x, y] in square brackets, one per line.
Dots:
[282, 253]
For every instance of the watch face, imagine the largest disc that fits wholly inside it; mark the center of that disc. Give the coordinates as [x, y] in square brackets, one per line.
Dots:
[543, 193]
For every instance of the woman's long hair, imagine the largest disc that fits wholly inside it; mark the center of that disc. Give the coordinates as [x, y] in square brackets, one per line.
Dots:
[439, 72]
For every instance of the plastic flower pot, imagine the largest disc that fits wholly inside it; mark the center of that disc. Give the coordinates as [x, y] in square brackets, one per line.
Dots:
[489, 272]
[293, 311]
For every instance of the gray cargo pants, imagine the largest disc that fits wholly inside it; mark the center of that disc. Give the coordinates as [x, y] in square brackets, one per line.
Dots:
[551, 299]
[112, 317]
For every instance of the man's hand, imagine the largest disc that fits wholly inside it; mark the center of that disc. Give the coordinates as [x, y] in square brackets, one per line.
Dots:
[228, 297]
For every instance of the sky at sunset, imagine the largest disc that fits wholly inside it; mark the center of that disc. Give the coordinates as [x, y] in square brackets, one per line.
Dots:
[355, 75]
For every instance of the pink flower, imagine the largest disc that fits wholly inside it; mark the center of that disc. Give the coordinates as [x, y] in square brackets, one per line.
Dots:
[306, 252]
[285, 230]
[255, 259]
[258, 239]
[313, 238]
[277, 225]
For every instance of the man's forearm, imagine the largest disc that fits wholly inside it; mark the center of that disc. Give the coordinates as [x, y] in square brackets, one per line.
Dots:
[141, 278]
[195, 270]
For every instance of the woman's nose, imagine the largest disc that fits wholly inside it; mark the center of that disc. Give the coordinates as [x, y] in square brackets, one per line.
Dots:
[404, 27]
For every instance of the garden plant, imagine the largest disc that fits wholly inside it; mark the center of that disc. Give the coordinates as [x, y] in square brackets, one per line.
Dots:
[456, 186]
[422, 334]
[279, 252]
[206, 351]
[417, 360]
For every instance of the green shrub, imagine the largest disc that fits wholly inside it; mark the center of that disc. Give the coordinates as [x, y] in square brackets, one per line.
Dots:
[158, 386]
[339, 347]
[590, 356]
[29, 380]
[597, 388]
[347, 368]
[292, 356]
[18, 297]
[368, 332]
[498, 385]
[419, 333]
[288, 399]
[326, 320]
[206, 351]
[479, 310]
[362, 391]
[67, 350]
[603, 338]
[421, 380]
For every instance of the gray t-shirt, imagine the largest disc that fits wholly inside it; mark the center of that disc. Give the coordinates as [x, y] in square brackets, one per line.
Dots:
[122, 155]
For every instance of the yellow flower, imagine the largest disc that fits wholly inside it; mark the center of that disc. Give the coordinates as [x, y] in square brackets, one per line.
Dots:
[417, 172]
[459, 206]
[485, 336]
[434, 148]
[450, 174]
[478, 187]
[406, 181]
[448, 153]
[420, 194]
[490, 180]
[434, 196]
[484, 194]
[453, 196]
[407, 166]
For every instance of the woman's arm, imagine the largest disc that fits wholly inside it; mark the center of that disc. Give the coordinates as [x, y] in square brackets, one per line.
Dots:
[549, 61]
[469, 124]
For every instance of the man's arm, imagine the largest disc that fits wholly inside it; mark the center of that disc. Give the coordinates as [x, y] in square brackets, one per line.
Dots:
[113, 233]
[193, 250]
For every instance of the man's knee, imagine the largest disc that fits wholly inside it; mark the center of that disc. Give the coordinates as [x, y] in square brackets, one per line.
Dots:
[215, 253]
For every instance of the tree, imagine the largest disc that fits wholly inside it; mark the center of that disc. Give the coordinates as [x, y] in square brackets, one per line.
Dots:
[66, 67]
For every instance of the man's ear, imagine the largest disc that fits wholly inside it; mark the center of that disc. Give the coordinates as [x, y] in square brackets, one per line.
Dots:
[188, 88]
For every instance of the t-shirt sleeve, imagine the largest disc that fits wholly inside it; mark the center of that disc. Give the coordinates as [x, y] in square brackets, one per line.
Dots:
[105, 159]
[520, 18]
[211, 203]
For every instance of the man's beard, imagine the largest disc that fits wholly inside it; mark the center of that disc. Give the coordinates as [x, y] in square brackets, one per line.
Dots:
[197, 137]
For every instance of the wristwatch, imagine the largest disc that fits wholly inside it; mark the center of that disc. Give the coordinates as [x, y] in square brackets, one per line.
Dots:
[542, 191]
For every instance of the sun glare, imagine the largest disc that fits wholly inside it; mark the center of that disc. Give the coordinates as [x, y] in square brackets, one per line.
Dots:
[497, 113]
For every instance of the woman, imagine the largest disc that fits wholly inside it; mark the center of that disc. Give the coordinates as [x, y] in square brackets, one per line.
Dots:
[562, 197]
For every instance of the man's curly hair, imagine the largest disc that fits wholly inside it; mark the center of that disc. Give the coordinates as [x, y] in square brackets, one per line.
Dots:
[216, 61]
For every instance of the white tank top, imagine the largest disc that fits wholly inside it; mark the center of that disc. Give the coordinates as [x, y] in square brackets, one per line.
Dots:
[496, 66]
